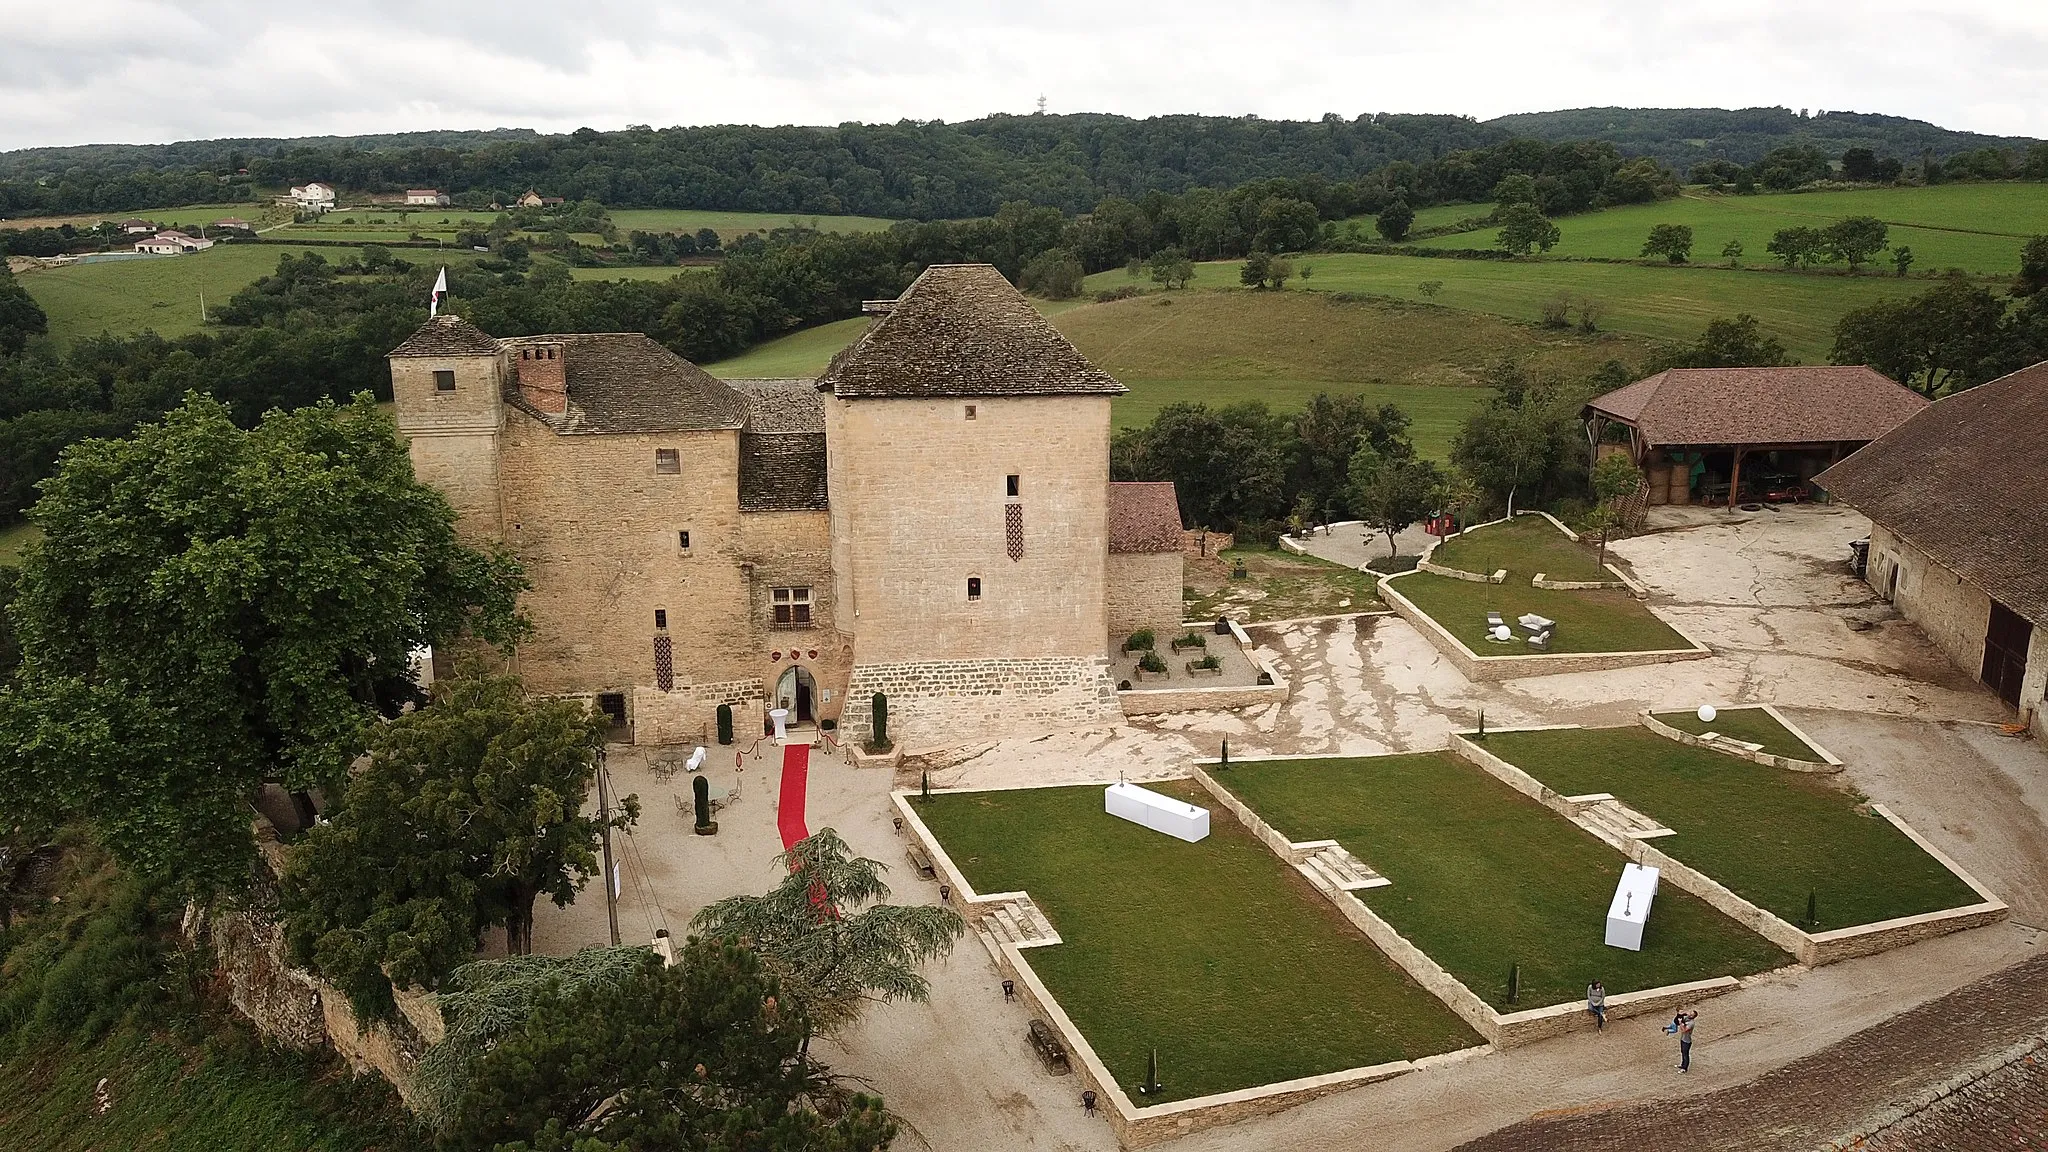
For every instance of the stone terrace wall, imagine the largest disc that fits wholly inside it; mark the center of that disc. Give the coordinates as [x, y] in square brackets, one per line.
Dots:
[1826, 764]
[941, 703]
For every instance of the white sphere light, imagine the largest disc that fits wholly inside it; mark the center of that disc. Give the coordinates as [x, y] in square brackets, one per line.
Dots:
[1707, 713]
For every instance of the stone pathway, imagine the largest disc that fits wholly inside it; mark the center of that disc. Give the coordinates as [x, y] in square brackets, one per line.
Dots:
[1846, 1090]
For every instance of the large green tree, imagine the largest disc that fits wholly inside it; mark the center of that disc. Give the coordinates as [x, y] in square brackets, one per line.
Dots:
[467, 811]
[1522, 228]
[1394, 220]
[20, 316]
[1328, 431]
[1390, 493]
[212, 608]
[705, 1056]
[1948, 337]
[1671, 241]
[829, 934]
[1527, 442]
[1737, 341]
[1855, 239]
[2033, 276]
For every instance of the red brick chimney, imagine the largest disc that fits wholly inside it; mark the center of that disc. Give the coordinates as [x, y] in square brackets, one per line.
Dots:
[543, 375]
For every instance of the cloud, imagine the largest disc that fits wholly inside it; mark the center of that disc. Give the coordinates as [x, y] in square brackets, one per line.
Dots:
[86, 71]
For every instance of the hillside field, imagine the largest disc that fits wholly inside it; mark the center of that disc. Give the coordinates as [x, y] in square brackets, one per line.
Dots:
[642, 272]
[162, 293]
[1978, 228]
[260, 212]
[732, 225]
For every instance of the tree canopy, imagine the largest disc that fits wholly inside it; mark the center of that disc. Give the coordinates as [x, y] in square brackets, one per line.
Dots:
[212, 608]
[1523, 227]
[1671, 241]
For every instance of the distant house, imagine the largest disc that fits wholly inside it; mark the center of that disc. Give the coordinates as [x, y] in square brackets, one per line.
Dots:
[137, 227]
[1725, 435]
[551, 201]
[425, 198]
[172, 244]
[1957, 539]
[315, 197]
[234, 222]
[530, 200]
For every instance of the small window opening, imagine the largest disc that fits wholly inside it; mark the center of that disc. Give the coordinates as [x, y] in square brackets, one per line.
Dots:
[661, 617]
[974, 587]
[1010, 485]
[444, 380]
[683, 539]
[792, 605]
[526, 353]
[668, 461]
[970, 411]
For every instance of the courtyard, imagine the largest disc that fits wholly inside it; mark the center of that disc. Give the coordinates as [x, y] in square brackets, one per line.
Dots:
[1788, 624]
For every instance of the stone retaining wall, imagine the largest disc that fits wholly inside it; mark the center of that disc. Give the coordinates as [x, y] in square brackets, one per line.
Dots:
[1811, 949]
[939, 703]
[1827, 764]
[1479, 668]
[690, 713]
[1503, 1030]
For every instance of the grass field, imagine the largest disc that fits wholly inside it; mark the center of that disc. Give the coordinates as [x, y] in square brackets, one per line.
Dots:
[14, 538]
[732, 225]
[1524, 546]
[1597, 621]
[1277, 586]
[1753, 725]
[1771, 835]
[1216, 953]
[1975, 227]
[259, 213]
[804, 353]
[1660, 302]
[1485, 878]
[128, 296]
[641, 272]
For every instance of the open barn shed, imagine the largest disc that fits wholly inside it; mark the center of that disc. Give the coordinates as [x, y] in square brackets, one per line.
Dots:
[1728, 435]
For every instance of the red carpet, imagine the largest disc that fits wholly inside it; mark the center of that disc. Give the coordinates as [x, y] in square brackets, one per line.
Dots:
[789, 812]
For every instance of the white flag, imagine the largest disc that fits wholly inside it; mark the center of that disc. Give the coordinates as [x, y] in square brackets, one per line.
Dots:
[440, 290]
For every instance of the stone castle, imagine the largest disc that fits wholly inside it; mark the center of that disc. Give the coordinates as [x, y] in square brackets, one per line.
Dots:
[932, 519]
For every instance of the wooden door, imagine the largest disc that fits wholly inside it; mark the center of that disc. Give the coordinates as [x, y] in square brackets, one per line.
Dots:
[2005, 652]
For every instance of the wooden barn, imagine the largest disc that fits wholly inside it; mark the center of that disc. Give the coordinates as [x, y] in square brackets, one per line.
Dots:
[1730, 435]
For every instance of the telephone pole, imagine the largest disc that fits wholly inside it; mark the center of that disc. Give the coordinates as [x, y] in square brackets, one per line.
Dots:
[604, 816]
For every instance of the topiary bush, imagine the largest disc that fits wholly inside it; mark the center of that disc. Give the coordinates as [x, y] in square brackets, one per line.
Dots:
[878, 710]
[725, 723]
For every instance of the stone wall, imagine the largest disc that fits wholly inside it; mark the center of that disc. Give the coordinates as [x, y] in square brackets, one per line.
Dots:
[689, 714]
[943, 703]
[1144, 591]
[1486, 668]
[919, 508]
[1954, 614]
[1200, 542]
[1827, 764]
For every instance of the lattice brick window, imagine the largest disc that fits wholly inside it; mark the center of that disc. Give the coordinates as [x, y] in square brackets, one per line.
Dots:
[1013, 529]
[664, 663]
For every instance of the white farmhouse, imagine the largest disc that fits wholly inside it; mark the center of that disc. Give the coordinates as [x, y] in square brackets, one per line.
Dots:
[172, 244]
[315, 197]
[425, 198]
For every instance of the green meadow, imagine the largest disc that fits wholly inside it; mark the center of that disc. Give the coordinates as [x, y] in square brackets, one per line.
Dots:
[159, 293]
[732, 225]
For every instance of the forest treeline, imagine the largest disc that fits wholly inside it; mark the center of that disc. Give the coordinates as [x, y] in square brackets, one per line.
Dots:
[907, 170]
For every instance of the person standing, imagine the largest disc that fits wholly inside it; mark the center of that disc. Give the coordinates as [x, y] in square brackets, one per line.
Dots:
[1596, 1003]
[1684, 1023]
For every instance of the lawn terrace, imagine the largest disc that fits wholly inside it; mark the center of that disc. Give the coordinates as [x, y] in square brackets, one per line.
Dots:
[1749, 725]
[1217, 953]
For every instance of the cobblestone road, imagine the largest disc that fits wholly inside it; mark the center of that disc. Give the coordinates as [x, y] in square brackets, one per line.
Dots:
[1846, 1086]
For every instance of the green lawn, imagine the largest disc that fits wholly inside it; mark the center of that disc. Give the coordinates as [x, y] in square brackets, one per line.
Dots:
[260, 212]
[1277, 586]
[732, 225]
[1216, 953]
[800, 354]
[1660, 302]
[127, 296]
[1750, 724]
[1485, 878]
[1598, 621]
[1770, 835]
[640, 272]
[1524, 546]
[1976, 227]
[14, 538]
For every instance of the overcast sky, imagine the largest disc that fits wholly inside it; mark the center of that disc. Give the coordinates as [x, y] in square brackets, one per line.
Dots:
[89, 71]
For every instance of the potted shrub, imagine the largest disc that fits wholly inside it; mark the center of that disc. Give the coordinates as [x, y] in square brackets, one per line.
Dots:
[1207, 666]
[1151, 666]
[1140, 641]
[1190, 640]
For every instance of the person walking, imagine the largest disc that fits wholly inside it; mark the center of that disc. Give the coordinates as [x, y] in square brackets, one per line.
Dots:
[1596, 1003]
[1683, 1021]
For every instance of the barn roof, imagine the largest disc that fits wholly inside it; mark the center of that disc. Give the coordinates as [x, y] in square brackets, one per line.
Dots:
[1803, 404]
[962, 330]
[1143, 517]
[1965, 481]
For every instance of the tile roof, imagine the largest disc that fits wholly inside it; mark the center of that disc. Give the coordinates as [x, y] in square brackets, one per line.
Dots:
[1795, 405]
[775, 406]
[1143, 517]
[962, 330]
[782, 472]
[625, 382]
[1966, 482]
[447, 336]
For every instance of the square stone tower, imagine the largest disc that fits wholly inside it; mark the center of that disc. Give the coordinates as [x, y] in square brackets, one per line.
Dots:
[968, 448]
[448, 382]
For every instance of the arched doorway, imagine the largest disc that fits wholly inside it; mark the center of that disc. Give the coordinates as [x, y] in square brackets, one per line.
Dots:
[797, 690]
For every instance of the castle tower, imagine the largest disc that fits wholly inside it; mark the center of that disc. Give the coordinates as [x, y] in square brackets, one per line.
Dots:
[448, 379]
[968, 470]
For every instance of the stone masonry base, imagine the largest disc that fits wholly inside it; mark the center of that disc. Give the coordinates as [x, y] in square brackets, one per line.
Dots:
[948, 702]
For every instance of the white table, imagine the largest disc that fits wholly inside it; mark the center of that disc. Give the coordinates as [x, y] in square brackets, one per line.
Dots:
[1143, 806]
[781, 718]
[1630, 909]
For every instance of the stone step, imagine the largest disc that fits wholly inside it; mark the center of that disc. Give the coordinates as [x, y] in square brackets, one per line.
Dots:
[1342, 871]
[1621, 821]
[1019, 922]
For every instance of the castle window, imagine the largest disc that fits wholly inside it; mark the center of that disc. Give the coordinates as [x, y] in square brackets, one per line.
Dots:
[683, 539]
[661, 617]
[974, 587]
[792, 606]
[1010, 485]
[970, 411]
[668, 461]
[444, 380]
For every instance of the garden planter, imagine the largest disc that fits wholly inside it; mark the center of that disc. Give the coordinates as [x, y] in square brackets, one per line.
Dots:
[1144, 677]
[1195, 669]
